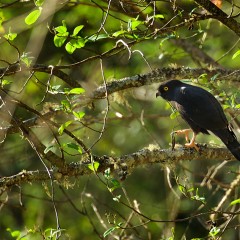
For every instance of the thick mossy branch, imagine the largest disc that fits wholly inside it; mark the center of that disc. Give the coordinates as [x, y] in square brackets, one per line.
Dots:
[122, 165]
[163, 74]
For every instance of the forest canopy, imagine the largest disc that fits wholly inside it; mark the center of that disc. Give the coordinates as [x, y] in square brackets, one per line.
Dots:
[87, 151]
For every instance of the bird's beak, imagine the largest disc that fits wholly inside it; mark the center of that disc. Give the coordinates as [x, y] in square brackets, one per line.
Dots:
[158, 94]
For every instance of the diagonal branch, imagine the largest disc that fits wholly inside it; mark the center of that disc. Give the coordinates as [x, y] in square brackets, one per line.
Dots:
[221, 16]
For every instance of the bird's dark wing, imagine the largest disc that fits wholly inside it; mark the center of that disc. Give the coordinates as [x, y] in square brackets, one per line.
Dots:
[200, 109]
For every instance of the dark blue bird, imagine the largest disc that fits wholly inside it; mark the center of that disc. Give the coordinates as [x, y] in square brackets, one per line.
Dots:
[202, 111]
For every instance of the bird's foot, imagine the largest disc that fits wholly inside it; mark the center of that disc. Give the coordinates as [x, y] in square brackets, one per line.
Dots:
[192, 145]
[184, 132]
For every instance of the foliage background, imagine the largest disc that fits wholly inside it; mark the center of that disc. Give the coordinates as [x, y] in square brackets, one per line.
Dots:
[118, 39]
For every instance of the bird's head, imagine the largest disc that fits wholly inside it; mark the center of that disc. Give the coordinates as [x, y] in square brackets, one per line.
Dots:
[167, 89]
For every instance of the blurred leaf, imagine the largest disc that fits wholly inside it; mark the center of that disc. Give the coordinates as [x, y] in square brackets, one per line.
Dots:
[234, 202]
[39, 3]
[63, 126]
[110, 230]
[236, 54]
[96, 37]
[93, 166]
[174, 114]
[5, 82]
[10, 36]
[118, 33]
[66, 106]
[77, 91]
[26, 59]
[73, 146]
[214, 231]
[47, 149]
[79, 115]
[33, 16]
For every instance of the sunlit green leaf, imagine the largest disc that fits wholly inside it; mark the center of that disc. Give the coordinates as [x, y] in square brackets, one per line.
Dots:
[214, 231]
[93, 166]
[60, 39]
[234, 202]
[77, 91]
[77, 29]
[159, 16]
[236, 54]
[118, 33]
[33, 16]
[70, 48]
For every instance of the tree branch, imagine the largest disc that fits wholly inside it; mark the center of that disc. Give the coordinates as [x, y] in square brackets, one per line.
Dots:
[163, 74]
[221, 16]
[122, 165]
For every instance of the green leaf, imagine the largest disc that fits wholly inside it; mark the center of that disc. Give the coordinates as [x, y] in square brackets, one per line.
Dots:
[93, 166]
[110, 230]
[72, 45]
[96, 37]
[70, 48]
[237, 106]
[66, 106]
[47, 149]
[214, 231]
[74, 146]
[77, 91]
[61, 29]
[10, 36]
[63, 126]
[118, 33]
[236, 54]
[235, 202]
[134, 24]
[15, 233]
[26, 59]
[33, 16]
[5, 82]
[174, 114]
[159, 16]
[116, 184]
[203, 78]
[77, 29]
[79, 115]
[60, 39]
[39, 3]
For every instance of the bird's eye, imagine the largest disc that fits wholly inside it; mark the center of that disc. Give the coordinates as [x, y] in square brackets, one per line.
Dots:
[165, 88]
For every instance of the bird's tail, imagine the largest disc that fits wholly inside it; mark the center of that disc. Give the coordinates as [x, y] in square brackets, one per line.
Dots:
[229, 139]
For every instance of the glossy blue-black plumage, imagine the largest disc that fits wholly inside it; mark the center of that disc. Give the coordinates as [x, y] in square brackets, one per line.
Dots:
[201, 110]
